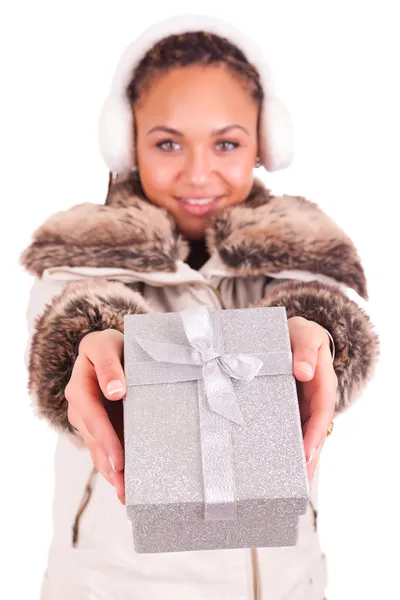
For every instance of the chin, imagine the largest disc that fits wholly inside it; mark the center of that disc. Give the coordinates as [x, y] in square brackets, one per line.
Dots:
[191, 234]
[194, 232]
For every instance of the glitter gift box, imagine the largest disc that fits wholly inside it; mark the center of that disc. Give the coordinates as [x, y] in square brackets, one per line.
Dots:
[214, 454]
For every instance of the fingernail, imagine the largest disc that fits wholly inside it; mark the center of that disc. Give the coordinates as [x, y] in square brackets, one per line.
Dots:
[112, 464]
[107, 477]
[115, 386]
[305, 367]
[311, 456]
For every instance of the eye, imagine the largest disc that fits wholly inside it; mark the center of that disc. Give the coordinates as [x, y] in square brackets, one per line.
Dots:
[166, 145]
[228, 145]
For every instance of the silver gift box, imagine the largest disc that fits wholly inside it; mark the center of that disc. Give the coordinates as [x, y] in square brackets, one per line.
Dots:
[179, 494]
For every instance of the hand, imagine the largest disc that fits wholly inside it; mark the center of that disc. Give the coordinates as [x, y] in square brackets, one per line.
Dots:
[316, 388]
[93, 410]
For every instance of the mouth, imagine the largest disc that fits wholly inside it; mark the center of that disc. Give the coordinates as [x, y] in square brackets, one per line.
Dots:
[199, 206]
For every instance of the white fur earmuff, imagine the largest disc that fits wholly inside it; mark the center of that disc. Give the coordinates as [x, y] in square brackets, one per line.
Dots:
[116, 127]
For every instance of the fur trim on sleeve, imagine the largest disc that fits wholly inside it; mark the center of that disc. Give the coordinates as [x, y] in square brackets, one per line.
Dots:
[356, 343]
[80, 306]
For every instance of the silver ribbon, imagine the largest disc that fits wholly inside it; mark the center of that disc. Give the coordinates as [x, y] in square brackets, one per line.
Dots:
[218, 405]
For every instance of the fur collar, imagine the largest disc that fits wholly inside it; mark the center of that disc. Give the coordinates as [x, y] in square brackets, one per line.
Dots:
[264, 234]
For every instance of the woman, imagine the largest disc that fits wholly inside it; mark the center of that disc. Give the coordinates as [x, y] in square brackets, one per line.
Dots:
[190, 113]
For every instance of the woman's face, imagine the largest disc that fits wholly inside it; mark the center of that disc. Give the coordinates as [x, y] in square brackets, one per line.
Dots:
[196, 143]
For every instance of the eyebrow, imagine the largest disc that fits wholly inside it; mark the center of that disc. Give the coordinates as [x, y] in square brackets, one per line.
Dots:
[179, 133]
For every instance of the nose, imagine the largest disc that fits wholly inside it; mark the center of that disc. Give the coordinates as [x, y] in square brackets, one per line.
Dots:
[198, 167]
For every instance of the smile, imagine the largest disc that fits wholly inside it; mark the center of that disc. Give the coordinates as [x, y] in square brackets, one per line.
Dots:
[198, 201]
[199, 206]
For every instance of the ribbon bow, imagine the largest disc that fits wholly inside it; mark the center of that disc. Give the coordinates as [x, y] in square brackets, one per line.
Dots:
[218, 405]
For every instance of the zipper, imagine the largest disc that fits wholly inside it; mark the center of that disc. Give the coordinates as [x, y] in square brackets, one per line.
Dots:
[214, 289]
[88, 490]
[255, 573]
[82, 506]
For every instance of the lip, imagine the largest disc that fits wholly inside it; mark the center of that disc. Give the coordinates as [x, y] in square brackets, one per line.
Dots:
[199, 210]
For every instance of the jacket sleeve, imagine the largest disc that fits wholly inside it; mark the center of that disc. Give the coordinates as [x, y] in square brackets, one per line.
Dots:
[357, 345]
[56, 320]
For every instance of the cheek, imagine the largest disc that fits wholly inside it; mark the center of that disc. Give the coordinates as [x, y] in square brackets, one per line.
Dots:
[156, 174]
[239, 175]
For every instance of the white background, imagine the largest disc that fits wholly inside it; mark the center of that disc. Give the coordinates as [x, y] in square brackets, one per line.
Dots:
[336, 69]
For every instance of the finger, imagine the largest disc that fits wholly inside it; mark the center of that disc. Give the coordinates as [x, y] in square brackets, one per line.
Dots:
[321, 393]
[115, 414]
[101, 462]
[119, 483]
[312, 449]
[311, 467]
[87, 399]
[306, 337]
[105, 352]
[99, 458]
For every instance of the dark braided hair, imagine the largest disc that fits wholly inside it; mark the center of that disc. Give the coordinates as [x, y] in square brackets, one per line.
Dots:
[197, 47]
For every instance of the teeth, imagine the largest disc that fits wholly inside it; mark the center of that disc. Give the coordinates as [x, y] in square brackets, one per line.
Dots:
[198, 201]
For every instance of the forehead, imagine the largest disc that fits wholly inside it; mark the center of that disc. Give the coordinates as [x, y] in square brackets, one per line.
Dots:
[196, 92]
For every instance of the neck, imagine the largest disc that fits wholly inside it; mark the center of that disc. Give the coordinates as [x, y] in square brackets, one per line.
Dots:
[265, 234]
[198, 254]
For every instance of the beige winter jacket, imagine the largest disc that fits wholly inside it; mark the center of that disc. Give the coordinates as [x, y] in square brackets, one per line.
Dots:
[93, 264]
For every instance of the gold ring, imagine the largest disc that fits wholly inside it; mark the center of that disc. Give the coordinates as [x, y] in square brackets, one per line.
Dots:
[330, 429]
